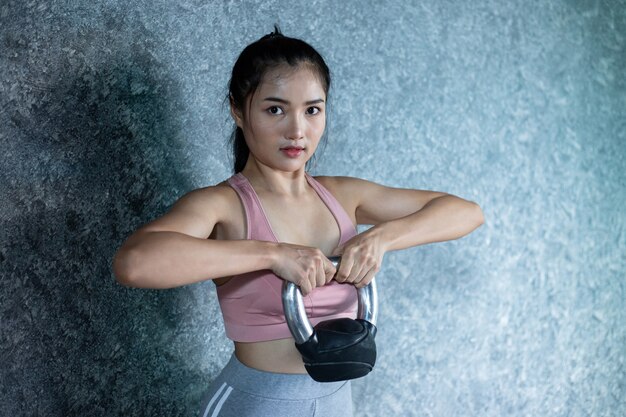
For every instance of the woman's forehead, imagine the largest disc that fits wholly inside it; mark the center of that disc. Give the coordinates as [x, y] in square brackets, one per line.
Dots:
[294, 81]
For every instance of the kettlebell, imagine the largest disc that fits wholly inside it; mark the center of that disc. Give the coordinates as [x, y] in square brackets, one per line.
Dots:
[338, 349]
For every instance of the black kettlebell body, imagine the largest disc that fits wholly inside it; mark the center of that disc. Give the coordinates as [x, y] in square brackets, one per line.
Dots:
[338, 349]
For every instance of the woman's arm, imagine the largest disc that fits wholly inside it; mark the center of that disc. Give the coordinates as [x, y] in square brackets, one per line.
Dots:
[173, 250]
[402, 218]
[162, 259]
[445, 217]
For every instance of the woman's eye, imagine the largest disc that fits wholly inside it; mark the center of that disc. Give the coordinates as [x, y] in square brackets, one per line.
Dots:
[275, 110]
[313, 110]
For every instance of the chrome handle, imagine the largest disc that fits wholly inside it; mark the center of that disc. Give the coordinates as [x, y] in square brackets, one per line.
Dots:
[295, 312]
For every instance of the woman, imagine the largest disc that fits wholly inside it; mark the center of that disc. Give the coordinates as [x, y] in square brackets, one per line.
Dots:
[272, 221]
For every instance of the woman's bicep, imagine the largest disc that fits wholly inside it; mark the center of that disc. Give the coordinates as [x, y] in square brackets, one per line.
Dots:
[378, 203]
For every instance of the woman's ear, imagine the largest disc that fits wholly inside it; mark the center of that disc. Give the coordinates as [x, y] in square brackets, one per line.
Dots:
[236, 113]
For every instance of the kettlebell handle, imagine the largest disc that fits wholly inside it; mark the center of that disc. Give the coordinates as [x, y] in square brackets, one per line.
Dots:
[295, 313]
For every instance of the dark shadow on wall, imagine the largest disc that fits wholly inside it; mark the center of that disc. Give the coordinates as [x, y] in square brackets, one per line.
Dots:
[97, 157]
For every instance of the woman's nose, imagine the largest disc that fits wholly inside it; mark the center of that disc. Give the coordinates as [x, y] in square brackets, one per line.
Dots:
[295, 129]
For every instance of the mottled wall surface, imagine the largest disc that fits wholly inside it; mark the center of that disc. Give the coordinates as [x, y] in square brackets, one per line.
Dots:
[111, 110]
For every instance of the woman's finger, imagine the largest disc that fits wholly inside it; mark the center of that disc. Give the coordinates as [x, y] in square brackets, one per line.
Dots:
[345, 266]
[320, 274]
[305, 287]
[357, 273]
[329, 270]
[369, 276]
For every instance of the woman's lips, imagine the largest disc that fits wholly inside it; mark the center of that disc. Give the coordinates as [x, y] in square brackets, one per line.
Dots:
[292, 152]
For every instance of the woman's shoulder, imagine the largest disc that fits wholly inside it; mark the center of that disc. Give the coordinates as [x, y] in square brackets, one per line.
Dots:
[334, 180]
[348, 191]
[342, 185]
[217, 195]
[198, 211]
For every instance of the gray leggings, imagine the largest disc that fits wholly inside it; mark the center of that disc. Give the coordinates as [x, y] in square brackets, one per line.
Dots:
[240, 391]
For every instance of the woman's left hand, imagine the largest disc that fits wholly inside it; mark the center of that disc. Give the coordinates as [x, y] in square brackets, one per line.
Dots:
[361, 258]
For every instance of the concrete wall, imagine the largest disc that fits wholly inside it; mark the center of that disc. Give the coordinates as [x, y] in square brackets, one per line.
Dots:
[111, 110]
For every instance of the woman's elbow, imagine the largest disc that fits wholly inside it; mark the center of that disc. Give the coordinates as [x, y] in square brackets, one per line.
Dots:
[478, 214]
[124, 268]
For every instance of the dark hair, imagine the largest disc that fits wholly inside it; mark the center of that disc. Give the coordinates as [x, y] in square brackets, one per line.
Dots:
[269, 52]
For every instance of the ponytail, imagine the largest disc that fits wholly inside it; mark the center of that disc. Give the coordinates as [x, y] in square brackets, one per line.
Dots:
[240, 149]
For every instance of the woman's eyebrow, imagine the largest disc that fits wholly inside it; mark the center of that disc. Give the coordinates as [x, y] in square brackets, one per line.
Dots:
[280, 100]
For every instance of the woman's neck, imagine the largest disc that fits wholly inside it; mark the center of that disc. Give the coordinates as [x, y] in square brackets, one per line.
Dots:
[264, 178]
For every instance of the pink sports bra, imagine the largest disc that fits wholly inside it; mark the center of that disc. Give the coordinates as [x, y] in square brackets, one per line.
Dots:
[251, 303]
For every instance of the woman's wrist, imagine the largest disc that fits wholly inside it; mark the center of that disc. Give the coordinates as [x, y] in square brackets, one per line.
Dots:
[379, 236]
[269, 254]
[383, 235]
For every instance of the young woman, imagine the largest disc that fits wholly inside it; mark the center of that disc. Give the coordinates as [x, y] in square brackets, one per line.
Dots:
[272, 221]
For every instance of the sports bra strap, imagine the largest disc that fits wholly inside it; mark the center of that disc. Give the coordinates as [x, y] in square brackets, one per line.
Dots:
[257, 225]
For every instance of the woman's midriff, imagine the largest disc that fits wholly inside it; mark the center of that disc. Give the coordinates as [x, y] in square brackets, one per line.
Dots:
[279, 356]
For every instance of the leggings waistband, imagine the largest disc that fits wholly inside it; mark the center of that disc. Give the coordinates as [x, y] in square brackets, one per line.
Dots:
[276, 385]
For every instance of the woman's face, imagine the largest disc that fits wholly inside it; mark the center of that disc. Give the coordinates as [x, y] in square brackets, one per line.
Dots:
[285, 119]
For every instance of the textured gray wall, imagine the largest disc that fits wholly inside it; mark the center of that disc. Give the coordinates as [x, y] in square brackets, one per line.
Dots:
[111, 110]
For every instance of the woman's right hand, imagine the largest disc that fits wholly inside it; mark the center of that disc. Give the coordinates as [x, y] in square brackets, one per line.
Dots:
[306, 267]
